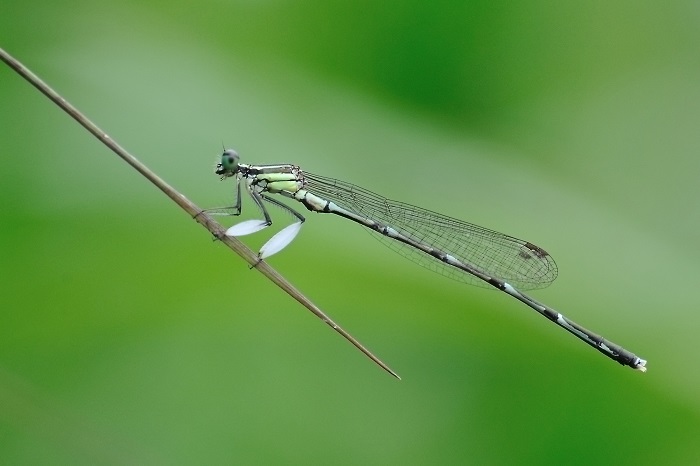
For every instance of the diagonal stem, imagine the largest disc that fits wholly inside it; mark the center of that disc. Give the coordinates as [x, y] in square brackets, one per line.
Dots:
[188, 206]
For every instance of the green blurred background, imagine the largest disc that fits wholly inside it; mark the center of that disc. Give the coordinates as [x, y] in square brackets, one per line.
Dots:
[128, 337]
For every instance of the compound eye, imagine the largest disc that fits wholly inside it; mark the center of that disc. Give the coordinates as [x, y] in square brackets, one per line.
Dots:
[229, 159]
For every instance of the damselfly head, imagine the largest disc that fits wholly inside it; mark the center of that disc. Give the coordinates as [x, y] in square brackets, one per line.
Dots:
[229, 163]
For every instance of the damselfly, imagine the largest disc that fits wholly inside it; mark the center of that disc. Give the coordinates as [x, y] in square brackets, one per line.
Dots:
[456, 249]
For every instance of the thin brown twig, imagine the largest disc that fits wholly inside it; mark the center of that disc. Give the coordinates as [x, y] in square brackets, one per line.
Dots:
[188, 206]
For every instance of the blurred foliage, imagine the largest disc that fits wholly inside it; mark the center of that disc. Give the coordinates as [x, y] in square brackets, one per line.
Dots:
[129, 337]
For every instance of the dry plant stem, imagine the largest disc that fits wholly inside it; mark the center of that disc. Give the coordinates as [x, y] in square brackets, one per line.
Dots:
[188, 206]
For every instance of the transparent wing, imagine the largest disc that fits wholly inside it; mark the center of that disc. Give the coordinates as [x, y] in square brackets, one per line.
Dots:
[520, 263]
